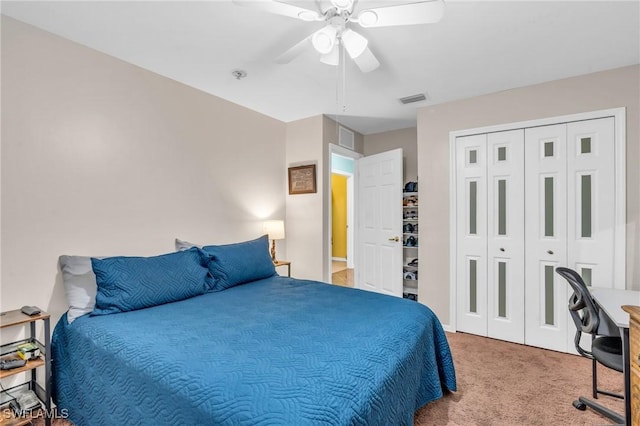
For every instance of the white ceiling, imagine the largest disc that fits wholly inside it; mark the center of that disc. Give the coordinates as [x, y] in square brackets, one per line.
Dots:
[479, 47]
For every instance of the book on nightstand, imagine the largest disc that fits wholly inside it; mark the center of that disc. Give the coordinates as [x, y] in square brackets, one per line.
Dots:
[28, 351]
[25, 402]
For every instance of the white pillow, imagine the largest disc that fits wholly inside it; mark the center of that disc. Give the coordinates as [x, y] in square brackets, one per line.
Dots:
[185, 245]
[79, 285]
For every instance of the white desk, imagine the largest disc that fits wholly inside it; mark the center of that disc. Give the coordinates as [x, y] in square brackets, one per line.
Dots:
[610, 302]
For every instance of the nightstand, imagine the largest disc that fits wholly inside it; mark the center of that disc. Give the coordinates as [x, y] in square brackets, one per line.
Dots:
[284, 263]
[634, 362]
[8, 350]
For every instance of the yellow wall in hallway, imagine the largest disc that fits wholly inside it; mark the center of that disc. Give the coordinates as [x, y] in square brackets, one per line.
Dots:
[339, 218]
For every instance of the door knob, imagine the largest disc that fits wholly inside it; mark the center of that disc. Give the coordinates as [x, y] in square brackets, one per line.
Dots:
[550, 251]
[396, 239]
[501, 248]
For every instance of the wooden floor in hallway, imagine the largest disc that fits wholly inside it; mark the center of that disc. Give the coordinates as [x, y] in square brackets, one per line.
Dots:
[340, 274]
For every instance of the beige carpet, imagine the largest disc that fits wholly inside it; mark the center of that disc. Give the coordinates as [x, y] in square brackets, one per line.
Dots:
[501, 383]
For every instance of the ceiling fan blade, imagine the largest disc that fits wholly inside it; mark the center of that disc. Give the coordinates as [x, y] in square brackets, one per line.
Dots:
[284, 9]
[294, 51]
[426, 12]
[367, 62]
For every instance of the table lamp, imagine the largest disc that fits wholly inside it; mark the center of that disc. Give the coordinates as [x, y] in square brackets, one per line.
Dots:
[275, 230]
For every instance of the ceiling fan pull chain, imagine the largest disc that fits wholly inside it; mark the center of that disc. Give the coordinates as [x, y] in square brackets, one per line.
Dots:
[344, 79]
[337, 110]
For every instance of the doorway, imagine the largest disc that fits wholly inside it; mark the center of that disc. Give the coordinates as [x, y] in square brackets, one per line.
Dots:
[342, 216]
[341, 223]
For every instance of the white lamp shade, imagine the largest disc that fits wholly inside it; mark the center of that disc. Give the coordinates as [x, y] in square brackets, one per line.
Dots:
[274, 228]
[333, 57]
[342, 4]
[367, 18]
[308, 15]
[324, 39]
[354, 43]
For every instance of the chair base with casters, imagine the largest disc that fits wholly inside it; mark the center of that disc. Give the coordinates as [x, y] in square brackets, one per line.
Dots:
[605, 350]
[582, 403]
[608, 351]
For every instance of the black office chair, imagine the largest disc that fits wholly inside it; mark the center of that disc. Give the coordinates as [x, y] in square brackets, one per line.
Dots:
[606, 350]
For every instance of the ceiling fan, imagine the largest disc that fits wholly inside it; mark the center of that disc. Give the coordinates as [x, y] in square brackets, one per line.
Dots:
[338, 14]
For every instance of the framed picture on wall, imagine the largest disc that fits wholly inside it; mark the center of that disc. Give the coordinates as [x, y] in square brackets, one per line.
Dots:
[302, 179]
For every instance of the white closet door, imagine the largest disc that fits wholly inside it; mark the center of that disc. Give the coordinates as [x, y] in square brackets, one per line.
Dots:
[527, 201]
[591, 180]
[546, 314]
[505, 235]
[471, 218]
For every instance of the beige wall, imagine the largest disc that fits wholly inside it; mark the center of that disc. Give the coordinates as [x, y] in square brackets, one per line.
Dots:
[100, 157]
[304, 221]
[603, 90]
[403, 138]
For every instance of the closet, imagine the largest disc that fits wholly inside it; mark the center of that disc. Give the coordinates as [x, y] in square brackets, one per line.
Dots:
[530, 197]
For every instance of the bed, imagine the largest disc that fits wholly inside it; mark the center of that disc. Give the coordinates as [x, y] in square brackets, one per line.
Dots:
[271, 351]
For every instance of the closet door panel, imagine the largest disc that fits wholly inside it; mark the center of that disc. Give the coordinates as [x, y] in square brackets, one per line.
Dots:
[471, 222]
[546, 294]
[591, 179]
[505, 235]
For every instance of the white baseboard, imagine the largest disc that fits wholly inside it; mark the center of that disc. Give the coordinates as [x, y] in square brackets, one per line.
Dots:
[447, 327]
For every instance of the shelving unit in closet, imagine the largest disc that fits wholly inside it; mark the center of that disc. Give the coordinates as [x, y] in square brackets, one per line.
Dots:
[410, 241]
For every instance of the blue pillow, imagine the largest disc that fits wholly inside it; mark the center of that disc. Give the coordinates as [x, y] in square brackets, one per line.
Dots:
[129, 283]
[238, 263]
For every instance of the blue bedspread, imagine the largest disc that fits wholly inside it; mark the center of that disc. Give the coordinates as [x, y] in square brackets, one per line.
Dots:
[277, 351]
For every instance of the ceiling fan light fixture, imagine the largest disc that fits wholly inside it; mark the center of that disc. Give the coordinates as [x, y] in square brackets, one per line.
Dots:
[342, 4]
[354, 43]
[367, 18]
[324, 40]
[331, 58]
[308, 15]
[367, 62]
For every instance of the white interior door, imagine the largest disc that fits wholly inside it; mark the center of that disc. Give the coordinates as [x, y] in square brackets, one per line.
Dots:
[546, 236]
[379, 252]
[471, 219]
[505, 235]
